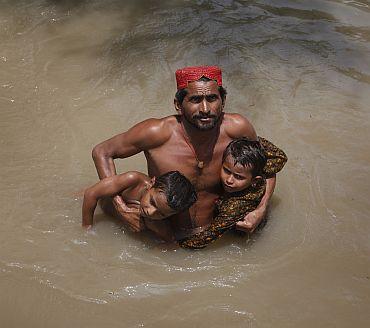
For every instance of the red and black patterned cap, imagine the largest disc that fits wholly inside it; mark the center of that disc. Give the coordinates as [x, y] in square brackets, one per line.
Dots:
[194, 73]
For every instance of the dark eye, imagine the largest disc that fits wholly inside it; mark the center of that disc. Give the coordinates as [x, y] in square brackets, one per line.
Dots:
[239, 177]
[226, 170]
[195, 99]
[211, 98]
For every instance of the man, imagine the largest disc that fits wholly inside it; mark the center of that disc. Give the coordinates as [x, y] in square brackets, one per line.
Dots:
[191, 142]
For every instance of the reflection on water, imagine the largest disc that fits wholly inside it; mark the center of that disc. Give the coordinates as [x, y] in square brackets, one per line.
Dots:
[74, 73]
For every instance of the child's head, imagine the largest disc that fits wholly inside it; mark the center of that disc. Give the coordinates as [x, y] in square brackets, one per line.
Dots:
[242, 164]
[170, 193]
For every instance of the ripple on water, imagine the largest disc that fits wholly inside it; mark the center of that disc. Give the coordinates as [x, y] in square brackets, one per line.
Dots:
[79, 73]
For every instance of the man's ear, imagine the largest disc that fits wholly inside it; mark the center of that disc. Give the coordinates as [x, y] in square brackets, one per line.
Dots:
[178, 106]
[223, 102]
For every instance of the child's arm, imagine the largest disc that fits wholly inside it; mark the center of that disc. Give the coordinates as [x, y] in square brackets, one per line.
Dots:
[109, 186]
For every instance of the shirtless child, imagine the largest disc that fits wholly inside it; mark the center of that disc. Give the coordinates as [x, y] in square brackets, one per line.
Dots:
[245, 166]
[155, 199]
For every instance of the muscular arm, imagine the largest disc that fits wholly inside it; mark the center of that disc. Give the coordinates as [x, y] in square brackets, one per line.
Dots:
[270, 187]
[254, 218]
[237, 127]
[143, 136]
[230, 210]
[109, 186]
[276, 160]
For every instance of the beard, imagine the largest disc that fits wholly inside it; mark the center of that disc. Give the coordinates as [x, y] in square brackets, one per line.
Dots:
[203, 126]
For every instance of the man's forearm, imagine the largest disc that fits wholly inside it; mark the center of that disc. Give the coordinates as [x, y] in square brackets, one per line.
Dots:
[270, 187]
[105, 167]
[253, 219]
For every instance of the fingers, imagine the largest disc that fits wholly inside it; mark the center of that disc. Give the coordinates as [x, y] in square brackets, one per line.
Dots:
[131, 210]
[250, 221]
[123, 208]
[245, 226]
[133, 228]
[134, 223]
[130, 217]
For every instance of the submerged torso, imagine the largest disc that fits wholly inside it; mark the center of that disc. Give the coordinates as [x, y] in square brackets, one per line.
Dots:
[176, 154]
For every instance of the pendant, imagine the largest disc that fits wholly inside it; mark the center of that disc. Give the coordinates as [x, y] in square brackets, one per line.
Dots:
[200, 164]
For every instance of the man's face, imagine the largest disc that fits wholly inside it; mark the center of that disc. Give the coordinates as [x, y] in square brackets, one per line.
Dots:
[153, 205]
[202, 106]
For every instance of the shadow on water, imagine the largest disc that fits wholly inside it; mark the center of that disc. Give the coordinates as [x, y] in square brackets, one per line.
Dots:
[161, 36]
[61, 63]
[165, 35]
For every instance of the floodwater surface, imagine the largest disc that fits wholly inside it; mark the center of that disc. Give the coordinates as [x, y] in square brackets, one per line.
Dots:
[74, 73]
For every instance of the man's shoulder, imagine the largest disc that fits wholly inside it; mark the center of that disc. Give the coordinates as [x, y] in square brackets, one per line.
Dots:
[160, 123]
[154, 131]
[237, 126]
[235, 118]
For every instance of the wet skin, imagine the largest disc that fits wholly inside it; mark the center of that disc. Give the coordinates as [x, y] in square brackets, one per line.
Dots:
[137, 191]
[165, 143]
[202, 106]
[154, 206]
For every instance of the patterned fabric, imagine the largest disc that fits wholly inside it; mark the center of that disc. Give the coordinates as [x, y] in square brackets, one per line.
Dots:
[231, 208]
[191, 74]
[276, 158]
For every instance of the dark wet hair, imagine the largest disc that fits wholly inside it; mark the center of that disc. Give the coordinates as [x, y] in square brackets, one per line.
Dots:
[181, 94]
[247, 153]
[179, 191]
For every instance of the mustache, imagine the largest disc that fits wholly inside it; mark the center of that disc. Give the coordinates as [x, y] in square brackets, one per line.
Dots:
[199, 116]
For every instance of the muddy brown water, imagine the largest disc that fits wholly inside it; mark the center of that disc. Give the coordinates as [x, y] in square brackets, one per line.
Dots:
[74, 73]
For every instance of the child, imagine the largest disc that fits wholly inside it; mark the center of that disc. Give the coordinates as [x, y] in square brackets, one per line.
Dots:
[245, 166]
[157, 198]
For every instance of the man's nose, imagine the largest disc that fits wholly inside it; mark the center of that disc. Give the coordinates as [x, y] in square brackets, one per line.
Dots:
[204, 106]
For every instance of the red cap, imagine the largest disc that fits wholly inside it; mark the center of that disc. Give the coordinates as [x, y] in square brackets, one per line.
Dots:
[194, 73]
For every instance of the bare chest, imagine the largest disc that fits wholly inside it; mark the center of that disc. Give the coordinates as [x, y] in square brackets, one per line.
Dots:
[200, 164]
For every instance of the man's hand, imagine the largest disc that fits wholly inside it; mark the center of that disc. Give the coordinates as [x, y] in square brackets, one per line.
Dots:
[252, 220]
[130, 216]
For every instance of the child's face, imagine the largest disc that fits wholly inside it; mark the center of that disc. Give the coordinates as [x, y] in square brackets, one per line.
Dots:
[153, 205]
[235, 178]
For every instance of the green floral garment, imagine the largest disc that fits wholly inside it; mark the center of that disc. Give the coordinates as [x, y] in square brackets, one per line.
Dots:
[231, 208]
